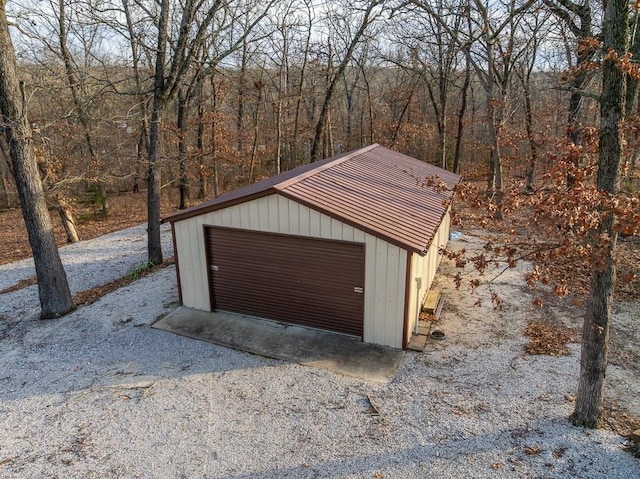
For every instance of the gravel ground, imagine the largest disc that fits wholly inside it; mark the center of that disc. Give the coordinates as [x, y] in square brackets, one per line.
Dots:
[98, 393]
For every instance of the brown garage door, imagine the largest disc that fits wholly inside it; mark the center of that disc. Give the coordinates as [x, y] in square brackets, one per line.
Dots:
[306, 281]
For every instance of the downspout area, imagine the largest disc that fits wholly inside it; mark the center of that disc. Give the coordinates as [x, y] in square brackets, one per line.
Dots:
[177, 263]
[418, 307]
[407, 302]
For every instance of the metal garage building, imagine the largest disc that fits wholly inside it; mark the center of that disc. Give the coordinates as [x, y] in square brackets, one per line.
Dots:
[348, 244]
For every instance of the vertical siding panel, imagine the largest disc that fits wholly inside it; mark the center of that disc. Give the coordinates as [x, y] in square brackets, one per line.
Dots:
[184, 257]
[314, 223]
[294, 219]
[380, 291]
[195, 238]
[274, 218]
[202, 263]
[420, 273]
[192, 290]
[263, 214]
[400, 294]
[336, 229]
[347, 232]
[245, 215]
[224, 215]
[253, 215]
[304, 221]
[432, 264]
[213, 220]
[236, 217]
[283, 214]
[194, 274]
[392, 326]
[415, 273]
[325, 227]
[426, 268]
[370, 275]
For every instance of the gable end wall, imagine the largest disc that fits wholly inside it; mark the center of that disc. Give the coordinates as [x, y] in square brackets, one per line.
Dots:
[385, 274]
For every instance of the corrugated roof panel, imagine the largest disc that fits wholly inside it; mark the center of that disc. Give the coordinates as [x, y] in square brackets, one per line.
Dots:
[374, 189]
[382, 191]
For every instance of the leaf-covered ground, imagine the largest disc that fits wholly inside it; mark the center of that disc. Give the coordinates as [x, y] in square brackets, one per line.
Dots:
[125, 210]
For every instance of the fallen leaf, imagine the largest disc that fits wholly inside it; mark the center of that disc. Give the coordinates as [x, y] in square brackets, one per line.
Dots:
[532, 450]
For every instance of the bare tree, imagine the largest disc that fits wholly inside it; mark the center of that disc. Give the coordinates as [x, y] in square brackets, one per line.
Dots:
[492, 48]
[173, 57]
[524, 71]
[461, 112]
[595, 333]
[435, 50]
[577, 16]
[55, 297]
[370, 13]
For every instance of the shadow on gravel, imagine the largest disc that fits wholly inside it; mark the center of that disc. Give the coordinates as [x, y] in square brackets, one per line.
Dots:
[106, 344]
[528, 450]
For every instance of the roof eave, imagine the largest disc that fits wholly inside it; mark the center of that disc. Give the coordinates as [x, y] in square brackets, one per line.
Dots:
[200, 209]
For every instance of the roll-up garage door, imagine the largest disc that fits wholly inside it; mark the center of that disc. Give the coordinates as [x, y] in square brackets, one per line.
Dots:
[307, 281]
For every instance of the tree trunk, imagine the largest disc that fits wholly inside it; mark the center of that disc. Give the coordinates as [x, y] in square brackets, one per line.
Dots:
[530, 135]
[5, 170]
[256, 130]
[595, 335]
[577, 17]
[183, 184]
[214, 137]
[461, 112]
[202, 170]
[494, 153]
[53, 289]
[139, 159]
[241, 99]
[439, 109]
[369, 110]
[154, 244]
[405, 109]
[68, 222]
[295, 160]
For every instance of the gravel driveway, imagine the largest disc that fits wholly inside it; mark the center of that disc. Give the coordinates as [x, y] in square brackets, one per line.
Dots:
[99, 393]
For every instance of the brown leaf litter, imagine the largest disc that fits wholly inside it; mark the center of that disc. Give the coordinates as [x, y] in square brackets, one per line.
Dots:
[550, 339]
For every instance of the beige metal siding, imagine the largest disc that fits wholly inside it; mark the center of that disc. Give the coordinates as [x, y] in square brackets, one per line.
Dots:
[385, 263]
[424, 268]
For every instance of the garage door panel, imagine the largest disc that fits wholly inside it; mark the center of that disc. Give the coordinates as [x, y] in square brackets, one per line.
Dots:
[301, 280]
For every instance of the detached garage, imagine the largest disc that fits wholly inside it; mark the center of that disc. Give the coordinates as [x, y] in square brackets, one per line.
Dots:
[349, 244]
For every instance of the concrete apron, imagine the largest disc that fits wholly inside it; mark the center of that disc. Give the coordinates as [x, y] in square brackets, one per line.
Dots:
[297, 344]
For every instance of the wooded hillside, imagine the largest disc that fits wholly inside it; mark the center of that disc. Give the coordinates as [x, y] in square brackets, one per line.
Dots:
[249, 89]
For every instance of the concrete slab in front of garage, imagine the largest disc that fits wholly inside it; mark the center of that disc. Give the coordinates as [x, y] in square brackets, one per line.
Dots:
[310, 347]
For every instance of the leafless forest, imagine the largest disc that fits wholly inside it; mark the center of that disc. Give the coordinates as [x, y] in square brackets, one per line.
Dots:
[206, 96]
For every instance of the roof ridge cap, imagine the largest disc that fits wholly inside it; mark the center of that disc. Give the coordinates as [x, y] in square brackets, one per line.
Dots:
[296, 179]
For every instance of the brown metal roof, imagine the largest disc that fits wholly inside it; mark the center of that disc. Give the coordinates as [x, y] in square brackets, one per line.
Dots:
[374, 189]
